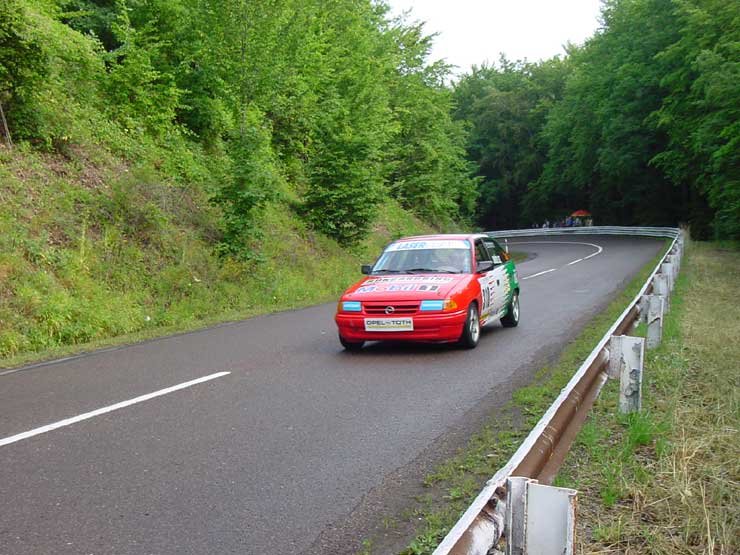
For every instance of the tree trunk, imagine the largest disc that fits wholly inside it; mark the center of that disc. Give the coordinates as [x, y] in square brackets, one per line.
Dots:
[5, 130]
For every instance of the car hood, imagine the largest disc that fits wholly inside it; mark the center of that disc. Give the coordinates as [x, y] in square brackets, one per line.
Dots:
[405, 286]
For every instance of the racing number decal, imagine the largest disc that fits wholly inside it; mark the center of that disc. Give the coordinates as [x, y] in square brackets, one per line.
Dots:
[486, 291]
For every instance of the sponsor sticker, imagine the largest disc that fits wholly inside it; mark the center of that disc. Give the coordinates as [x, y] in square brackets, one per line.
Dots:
[368, 289]
[429, 284]
[395, 288]
[438, 244]
[409, 279]
[389, 324]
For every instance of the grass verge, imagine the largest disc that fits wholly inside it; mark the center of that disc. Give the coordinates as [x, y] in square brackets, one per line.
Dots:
[667, 480]
[95, 253]
[518, 256]
[454, 484]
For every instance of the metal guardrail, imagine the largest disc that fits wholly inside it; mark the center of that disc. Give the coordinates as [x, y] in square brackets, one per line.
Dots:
[542, 452]
[670, 232]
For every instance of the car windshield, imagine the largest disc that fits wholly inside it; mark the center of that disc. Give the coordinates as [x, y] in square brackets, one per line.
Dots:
[398, 259]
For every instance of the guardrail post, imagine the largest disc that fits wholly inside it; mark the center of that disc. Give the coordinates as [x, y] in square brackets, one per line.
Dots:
[675, 260]
[615, 356]
[540, 519]
[516, 510]
[668, 270]
[660, 286]
[642, 307]
[678, 247]
[626, 356]
[656, 306]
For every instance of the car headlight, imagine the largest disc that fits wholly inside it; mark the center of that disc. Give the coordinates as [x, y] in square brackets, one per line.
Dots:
[447, 304]
[351, 306]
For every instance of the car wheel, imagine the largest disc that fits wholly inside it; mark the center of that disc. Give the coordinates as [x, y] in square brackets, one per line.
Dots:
[511, 320]
[471, 330]
[351, 345]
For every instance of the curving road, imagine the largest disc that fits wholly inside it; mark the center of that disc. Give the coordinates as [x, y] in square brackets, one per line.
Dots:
[287, 444]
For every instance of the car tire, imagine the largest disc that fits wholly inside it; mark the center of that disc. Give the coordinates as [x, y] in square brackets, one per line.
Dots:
[511, 319]
[471, 330]
[353, 346]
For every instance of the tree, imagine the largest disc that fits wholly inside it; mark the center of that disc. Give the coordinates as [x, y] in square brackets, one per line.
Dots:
[701, 114]
[22, 67]
[353, 123]
[507, 105]
[599, 145]
[427, 170]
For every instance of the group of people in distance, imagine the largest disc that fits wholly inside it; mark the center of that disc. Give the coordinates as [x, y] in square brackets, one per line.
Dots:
[566, 222]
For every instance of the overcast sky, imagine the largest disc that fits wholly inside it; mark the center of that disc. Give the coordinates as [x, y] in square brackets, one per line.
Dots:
[474, 31]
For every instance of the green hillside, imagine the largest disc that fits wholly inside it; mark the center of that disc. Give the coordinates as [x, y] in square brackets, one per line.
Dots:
[91, 250]
[168, 163]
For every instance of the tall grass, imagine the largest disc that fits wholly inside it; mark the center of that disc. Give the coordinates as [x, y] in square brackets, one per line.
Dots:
[668, 480]
[664, 481]
[94, 252]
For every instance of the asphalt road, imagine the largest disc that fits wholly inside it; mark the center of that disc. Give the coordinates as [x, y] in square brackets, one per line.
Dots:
[276, 456]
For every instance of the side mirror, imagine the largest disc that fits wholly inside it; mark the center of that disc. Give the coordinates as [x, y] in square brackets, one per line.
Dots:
[483, 266]
[366, 269]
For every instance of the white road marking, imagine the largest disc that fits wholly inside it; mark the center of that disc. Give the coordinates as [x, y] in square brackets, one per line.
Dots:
[598, 247]
[539, 274]
[109, 408]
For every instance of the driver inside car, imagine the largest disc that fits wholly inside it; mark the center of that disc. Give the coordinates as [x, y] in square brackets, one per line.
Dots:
[452, 260]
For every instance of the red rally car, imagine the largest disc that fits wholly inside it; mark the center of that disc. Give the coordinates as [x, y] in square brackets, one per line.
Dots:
[439, 288]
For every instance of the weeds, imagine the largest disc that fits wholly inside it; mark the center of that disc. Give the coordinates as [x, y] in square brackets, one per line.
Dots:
[663, 481]
[669, 482]
[119, 256]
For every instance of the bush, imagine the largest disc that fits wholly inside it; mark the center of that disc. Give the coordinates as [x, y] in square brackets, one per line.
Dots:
[254, 179]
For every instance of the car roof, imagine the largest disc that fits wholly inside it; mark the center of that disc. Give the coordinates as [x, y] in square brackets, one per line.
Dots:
[436, 237]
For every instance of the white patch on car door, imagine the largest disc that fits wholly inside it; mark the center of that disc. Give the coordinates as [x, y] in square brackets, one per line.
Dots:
[487, 291]
[501, 284]
[500, 288]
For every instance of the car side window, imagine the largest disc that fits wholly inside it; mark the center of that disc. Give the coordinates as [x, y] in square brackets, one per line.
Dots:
[481, 253]
[499, 254]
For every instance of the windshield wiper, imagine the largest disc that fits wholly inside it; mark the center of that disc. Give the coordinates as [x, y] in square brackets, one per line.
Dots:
[386, 271]
[432, 271]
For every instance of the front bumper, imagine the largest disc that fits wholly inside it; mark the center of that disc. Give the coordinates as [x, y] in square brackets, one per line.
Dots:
[442, 327]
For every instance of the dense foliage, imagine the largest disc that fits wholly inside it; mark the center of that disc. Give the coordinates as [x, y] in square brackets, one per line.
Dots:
[508, 106]
[331, 103]
[333, 107]
[639, 126]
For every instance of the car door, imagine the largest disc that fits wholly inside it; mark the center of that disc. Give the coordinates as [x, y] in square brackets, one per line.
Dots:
[486, 280]
[500, 286]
